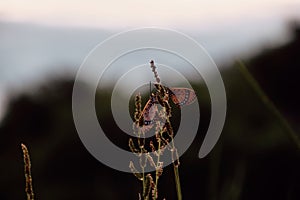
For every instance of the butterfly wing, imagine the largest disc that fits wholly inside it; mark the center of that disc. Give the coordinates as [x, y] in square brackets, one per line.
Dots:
[148, 112]
[182, 96]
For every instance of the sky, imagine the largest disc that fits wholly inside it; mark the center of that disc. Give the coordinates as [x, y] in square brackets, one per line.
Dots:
[121, 14]
[46, 34]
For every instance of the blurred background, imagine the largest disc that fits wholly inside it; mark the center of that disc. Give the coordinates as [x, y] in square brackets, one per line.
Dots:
[43, 43]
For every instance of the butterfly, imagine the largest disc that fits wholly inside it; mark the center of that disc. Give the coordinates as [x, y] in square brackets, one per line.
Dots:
[179, 96]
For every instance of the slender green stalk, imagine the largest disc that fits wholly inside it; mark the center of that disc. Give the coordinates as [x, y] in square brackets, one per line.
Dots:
[175, 158]
[143, 173]
[166, 116]
[157, 169]
[141, 164]
[138, 110]
[268, 103]
[176, 174]
[177, 181]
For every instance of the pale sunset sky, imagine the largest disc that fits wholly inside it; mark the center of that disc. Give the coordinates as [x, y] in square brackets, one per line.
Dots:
[116, 14]
[41, 34]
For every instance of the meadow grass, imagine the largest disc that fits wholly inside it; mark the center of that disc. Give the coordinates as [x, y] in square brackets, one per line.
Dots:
[164, 137]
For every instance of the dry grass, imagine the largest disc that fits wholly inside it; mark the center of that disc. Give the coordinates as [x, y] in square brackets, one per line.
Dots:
[27, 171]
[164, 135]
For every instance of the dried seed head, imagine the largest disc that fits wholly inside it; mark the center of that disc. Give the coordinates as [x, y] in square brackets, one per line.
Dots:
[153, 67]
[168, 108]
[153, 149]
[141, 142]
[138, 107]
[151, 161]
[143, 160]
[135, 171]
[154, 190]
[132, 146]
[165, 141]
[162, 90]
[169, 129]
[159, 169]
[148, 185]
[27, 170]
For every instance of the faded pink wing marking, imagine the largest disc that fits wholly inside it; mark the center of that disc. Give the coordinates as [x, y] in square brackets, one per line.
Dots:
[183, 96]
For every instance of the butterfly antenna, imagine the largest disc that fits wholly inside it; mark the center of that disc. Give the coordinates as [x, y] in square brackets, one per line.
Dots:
[150, 89]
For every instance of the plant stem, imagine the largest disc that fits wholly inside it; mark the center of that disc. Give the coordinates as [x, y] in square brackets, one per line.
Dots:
[143, 172]
[268, 103]
[142, 167]
[175, 165]
[177, 181]
[157, 169]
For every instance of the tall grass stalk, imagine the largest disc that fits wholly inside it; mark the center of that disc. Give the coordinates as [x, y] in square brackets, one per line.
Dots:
[177, 180]
[164, 138]
[268, 103]
[157, 171]
[167, 114]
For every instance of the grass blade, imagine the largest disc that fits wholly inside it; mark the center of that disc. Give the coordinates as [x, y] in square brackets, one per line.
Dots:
[268, 103]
